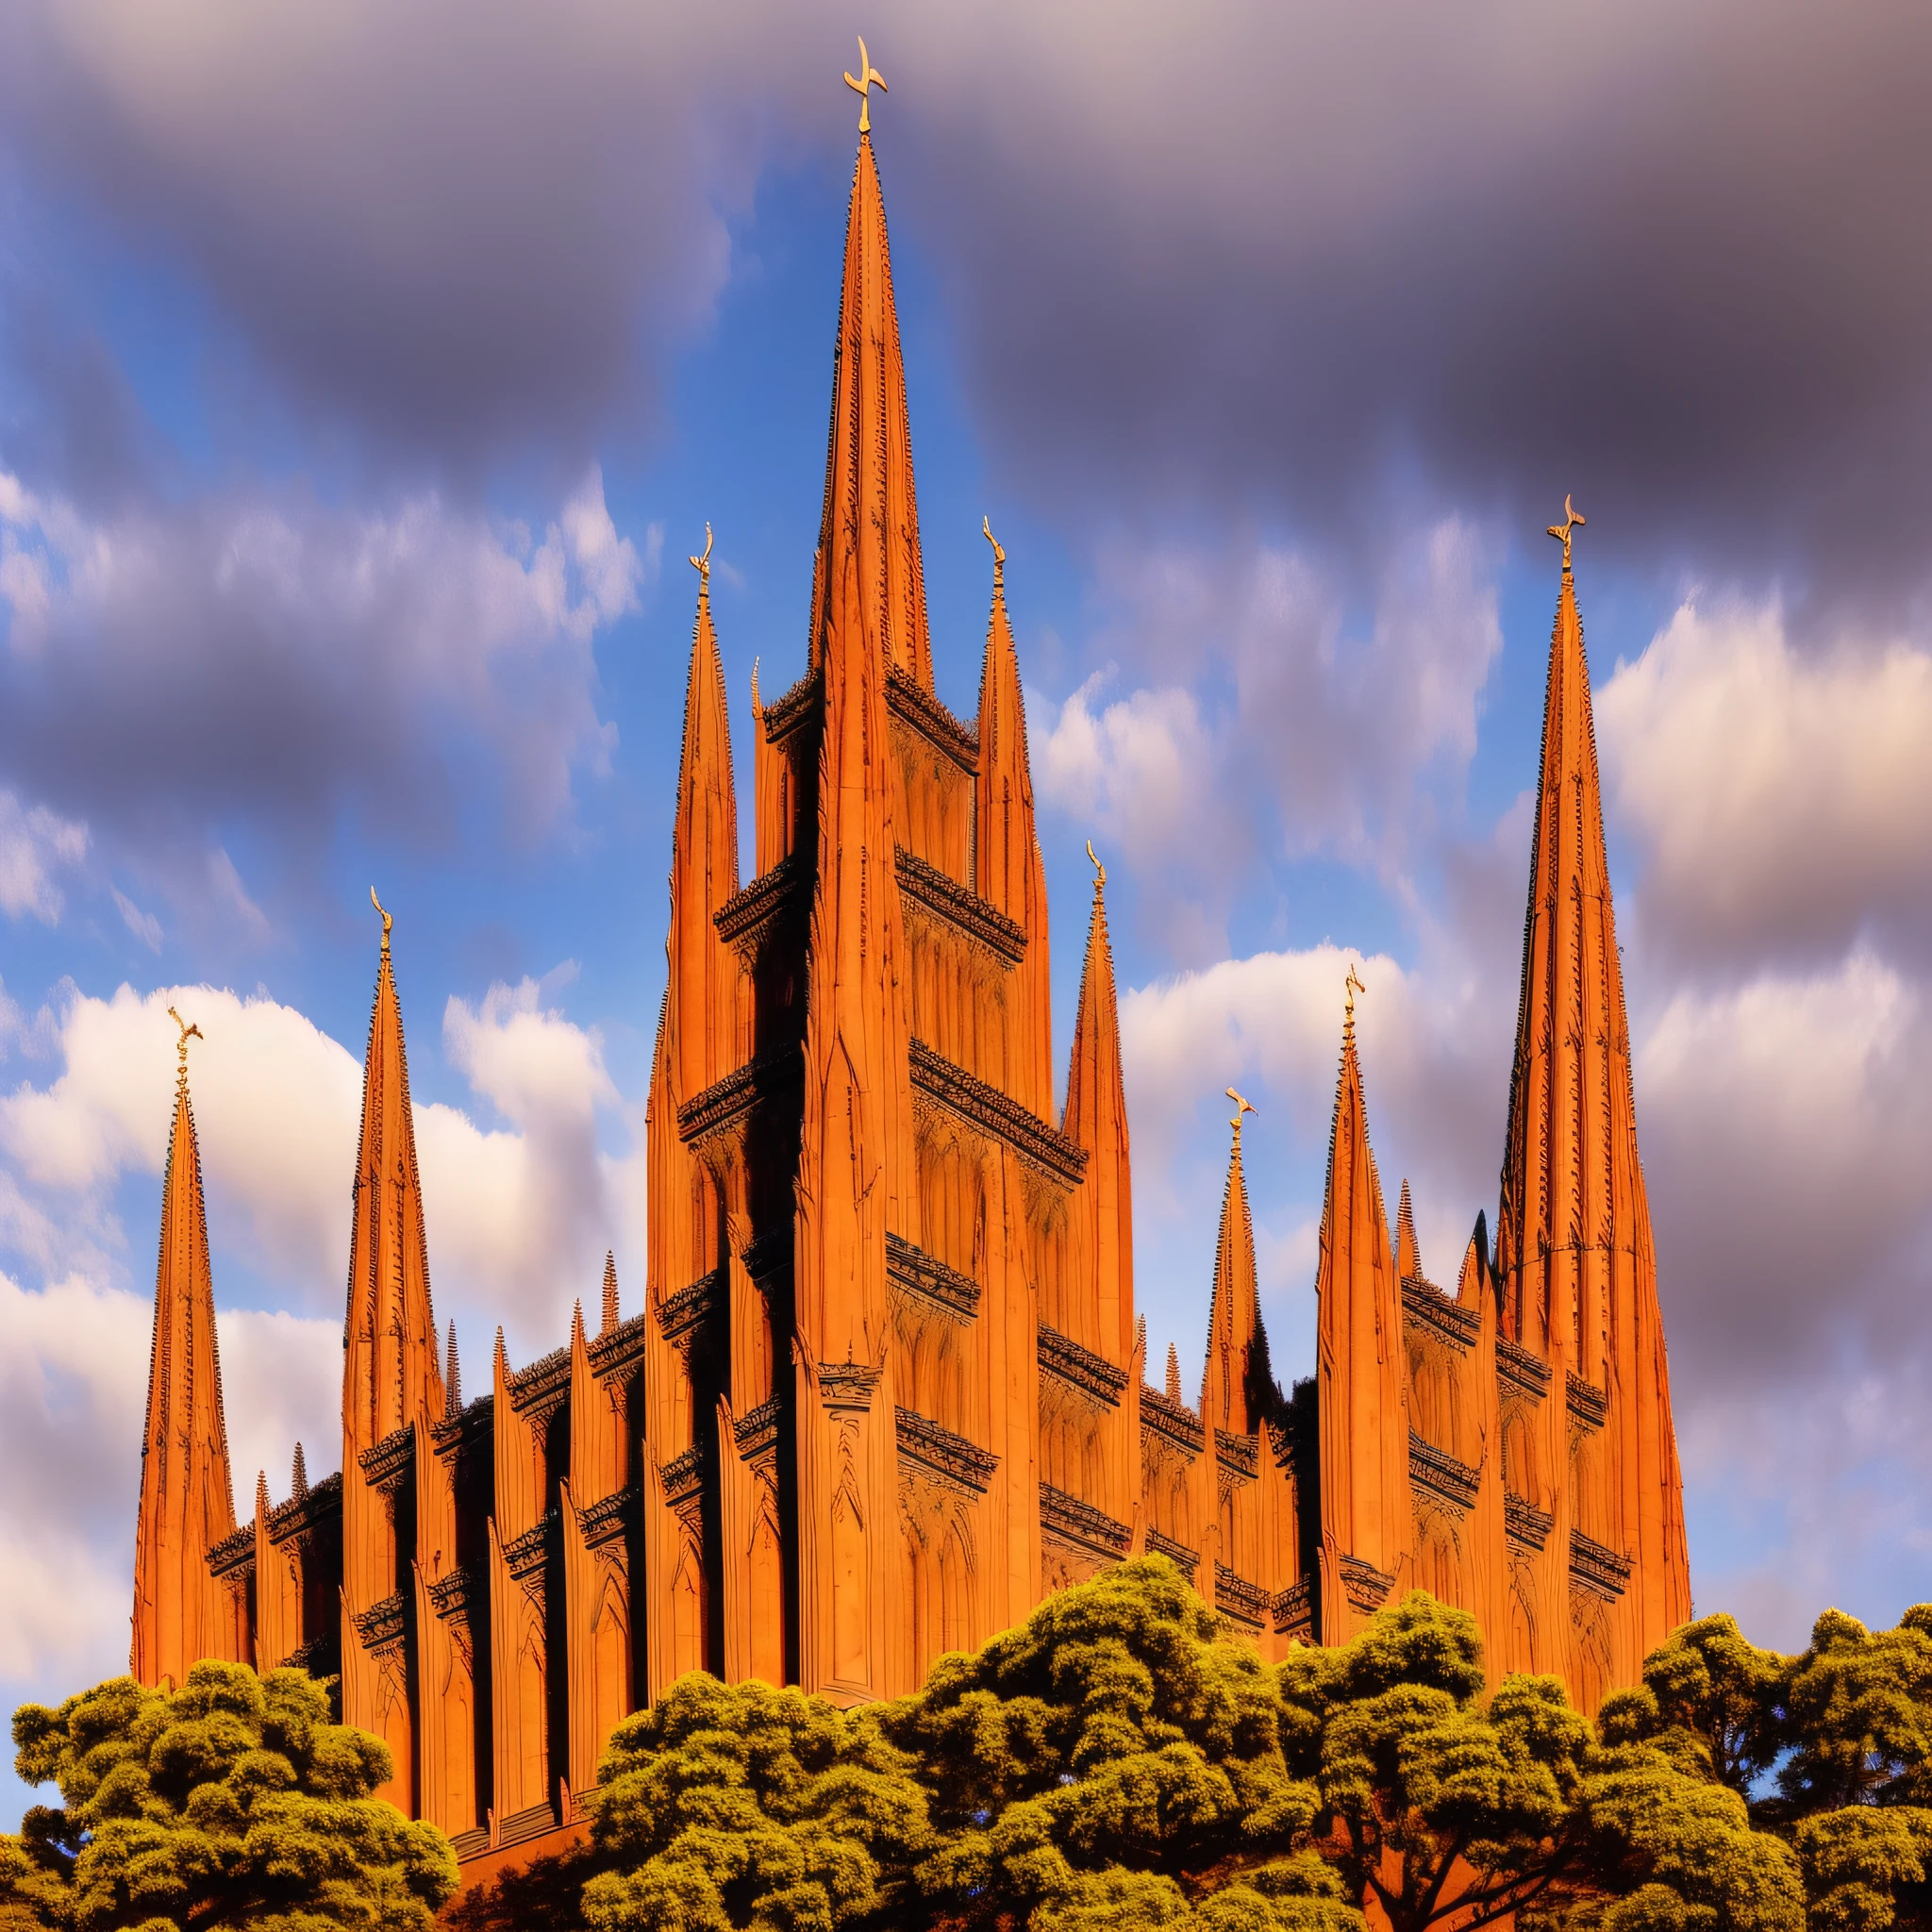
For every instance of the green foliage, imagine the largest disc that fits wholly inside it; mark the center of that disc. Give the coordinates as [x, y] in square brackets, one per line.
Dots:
[745, 1807]
[1115, 1761]
[233, 1801]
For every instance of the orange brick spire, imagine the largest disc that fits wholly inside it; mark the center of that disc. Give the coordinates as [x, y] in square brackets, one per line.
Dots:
[181, 1614]
[1576, 1261]
[1096, 1119]
[871, 516]
[1408, 1260]
[1360, 1364]
[1007, 869]
[390, 1383]
[1234, 1311]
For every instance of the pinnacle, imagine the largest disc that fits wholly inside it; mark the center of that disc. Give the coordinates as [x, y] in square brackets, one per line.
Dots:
[1173, 1372]
[452, 1379]
[298, 1475]
[609, 1291]
[1408, 1266]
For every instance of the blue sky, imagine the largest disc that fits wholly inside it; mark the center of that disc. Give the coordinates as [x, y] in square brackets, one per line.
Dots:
[363, 386]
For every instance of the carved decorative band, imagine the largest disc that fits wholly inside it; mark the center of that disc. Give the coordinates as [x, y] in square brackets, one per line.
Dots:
[1439, 1472]
[1427, 1307]
[785, 712]
[1092, 1375]
[455, 1597]
[1169, 1419]
[679, 1313]
[1593, 1568]
[946, 1288]
[770, 1253]
[1518, 1366]
[1080, 1524]
[1364, 1586]
[1238, 1454]
[847, 1385]
[526, 1555]
[605, 1520]
[958, 1463]
[621, 1351]
[908, 701]
[384, 1625]
[736, 1094]
[541, 1390]
[302, 1515]
[466, 1430]
[683, 1476]
[745, 918]
[1166, 1546]
[946, 899]
[1239, 1597]
[757, 1430]
[1589, 1404]
[992, 1112]
[388, 1463]
[1524, 1524]
[235, 1552]
[1294, 1610]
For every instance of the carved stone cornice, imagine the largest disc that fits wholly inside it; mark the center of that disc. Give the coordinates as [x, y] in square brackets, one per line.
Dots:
[752, 913]
[1524, 1524]
[1516, 1366]
[619, 1354]
[606, 1520]
[1364, 1586]
[1441, 1475]
[680, 1314]
[908, 701]
[302, 1516]
[234, 1555]
[847, 1385]
[683, 1476]
[790, 709]
[1165, 1547]
[1294, 1610]
[1599, 1570]
[539, 1391]
[388, 1464]
[456, 1598]
[940, 1454]
[1067, 1361]
[1588, 1404]
[960, 908]
[1080, 1524]
[1238, 1597]
[915, 1272]
[468, 1430]
[755, 1432]
[734, 1096]
[318, 1657]
[384, 1627]
[989, 1110]
[1161, 1415]
[527, 1555]
[1237, 1454]
[769, 1256]
[1425, 1305]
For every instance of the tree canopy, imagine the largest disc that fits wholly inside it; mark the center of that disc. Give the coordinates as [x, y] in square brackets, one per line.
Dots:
[233, 1801]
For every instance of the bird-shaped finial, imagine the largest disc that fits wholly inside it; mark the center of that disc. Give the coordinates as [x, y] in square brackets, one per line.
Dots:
[869, 77]
[1562, 531]
[188, 1032]
[1241, 1106]
[999, 550]
[387, 920]
[703, 565]
[1099, 870]
[1350, 986]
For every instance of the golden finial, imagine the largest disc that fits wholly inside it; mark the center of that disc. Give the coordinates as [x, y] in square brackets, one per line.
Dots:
[187, 1032]
[869, 77]
[999, 549]
[1562, 531]
[703, 565]
[1241, 1106]
[387, 920]
[1350, 986]
[1099, 870]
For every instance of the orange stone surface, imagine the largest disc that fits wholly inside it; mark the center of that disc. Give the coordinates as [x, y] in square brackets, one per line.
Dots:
[888, 1387]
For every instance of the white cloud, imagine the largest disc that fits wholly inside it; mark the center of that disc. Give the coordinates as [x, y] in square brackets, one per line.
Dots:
[1781, 799]
[34, 844]
[143, 926]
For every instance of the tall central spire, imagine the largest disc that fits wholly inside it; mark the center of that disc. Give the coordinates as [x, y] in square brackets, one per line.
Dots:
[871, 523]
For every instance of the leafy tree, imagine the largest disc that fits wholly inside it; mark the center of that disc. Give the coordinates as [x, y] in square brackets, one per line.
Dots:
[1114, 1762]
[1443, 1802]
[740, 1806]
[233, 1801]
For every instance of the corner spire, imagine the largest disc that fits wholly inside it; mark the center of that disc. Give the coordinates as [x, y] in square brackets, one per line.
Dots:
[1360, 1363]
[1408, 1262]
[1174, 1373]
[452, 1378]
[298, 1473]
[609, 1291]
[187, 1503]
[868, 534]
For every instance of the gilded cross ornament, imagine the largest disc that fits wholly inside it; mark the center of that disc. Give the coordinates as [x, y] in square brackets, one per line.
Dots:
[387, 920]
[869, 77]
[189, 1031]
[1099, 870]
[999, 549]
[1350, 987]
[703, 565]
[1241, 1106]
[1562, 531]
